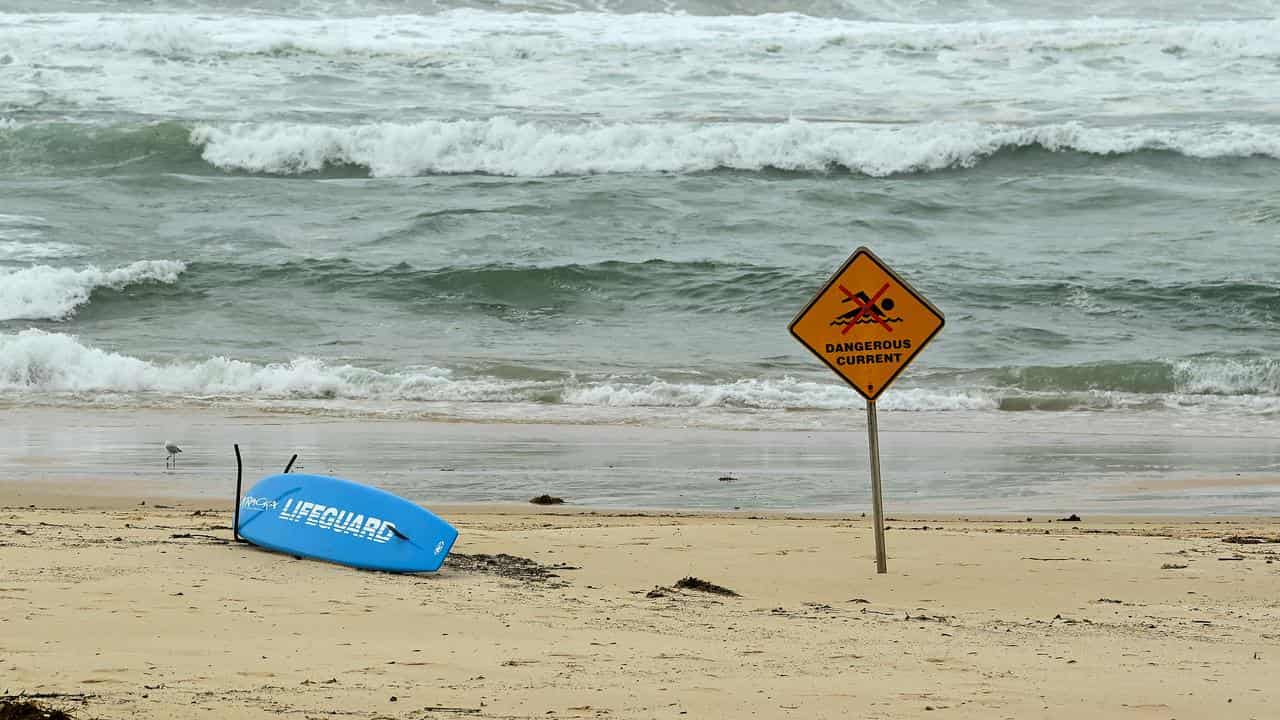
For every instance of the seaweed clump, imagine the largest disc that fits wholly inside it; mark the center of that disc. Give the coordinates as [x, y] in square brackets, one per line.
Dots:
[693, 583]
[18, 709]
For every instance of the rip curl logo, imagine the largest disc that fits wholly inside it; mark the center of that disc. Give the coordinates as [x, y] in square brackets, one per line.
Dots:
[439, 547]
[344, 522]
[257, 503]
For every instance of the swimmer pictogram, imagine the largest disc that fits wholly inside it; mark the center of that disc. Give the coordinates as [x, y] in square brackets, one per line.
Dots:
[867, 310]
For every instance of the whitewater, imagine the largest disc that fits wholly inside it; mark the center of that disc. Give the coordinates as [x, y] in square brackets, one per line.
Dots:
[46, 292]
[501, 146]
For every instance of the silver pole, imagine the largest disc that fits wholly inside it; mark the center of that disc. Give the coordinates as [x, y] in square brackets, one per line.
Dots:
[877, 505]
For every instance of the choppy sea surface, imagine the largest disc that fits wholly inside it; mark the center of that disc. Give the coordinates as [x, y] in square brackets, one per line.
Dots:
[608, 212]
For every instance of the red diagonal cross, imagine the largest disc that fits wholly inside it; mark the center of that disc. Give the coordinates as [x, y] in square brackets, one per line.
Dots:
[865, 309]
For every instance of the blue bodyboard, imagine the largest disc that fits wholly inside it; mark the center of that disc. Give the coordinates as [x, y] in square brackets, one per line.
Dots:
[344, 522]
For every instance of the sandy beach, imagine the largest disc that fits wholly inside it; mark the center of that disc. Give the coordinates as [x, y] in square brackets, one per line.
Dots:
[116, 609]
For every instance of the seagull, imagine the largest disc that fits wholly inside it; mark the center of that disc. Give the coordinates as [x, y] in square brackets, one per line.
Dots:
[172, 447]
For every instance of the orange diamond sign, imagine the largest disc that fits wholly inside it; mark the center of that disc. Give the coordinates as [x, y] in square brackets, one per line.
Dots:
[867, 323]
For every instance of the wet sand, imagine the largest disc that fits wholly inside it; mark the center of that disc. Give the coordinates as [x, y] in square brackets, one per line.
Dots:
[944, 463]
[140, 611]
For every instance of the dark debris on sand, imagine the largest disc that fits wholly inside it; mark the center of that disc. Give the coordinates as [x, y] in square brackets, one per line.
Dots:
[547, 500]
[503, 565]
[15, 708]
[693, 583]
[690, 583]
[1250, 540]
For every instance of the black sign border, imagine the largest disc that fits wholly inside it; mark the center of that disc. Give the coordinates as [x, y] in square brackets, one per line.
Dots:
[897, 278]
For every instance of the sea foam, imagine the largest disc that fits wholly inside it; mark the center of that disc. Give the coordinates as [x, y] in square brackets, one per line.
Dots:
[16, 250]
[185, 36]
[1257, 376]
[42, 292]
[638, 67]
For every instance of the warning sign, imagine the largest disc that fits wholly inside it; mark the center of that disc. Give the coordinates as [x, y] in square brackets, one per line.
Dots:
[867, 323]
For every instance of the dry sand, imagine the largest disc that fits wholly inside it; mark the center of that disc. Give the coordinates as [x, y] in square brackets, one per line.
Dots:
[149, 612]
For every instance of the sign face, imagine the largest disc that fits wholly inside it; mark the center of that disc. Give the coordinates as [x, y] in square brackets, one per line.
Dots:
[866, 323]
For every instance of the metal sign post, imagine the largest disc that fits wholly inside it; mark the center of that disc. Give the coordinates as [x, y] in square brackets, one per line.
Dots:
[877, 505]
[867, 324]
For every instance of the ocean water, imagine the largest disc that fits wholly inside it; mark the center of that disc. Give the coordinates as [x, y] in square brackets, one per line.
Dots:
[608, 212]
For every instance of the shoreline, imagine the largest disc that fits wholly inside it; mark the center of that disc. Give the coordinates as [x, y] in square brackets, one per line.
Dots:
[15, 495]
[933, 466]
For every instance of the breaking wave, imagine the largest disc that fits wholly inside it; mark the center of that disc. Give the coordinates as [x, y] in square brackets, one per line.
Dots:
[503, 146]
[42, 292]
[1191, 376]
[508, 147]
[35, 363]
